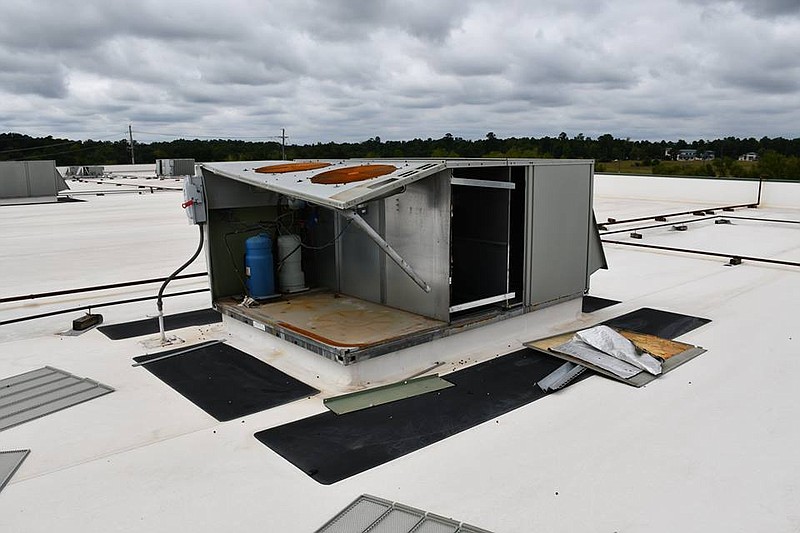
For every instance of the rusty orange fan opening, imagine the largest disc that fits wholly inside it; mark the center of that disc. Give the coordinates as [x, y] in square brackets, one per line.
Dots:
[290, 167]
[351, 174]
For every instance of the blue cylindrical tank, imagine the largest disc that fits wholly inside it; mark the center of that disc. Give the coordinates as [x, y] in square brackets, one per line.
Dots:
[258, 266]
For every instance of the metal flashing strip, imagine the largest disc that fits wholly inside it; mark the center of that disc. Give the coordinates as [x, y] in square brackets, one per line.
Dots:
[376, 515]
[483, 183]
[484, 301]
[10, 462]
[561, 377]
[41, 392]
[355, 401]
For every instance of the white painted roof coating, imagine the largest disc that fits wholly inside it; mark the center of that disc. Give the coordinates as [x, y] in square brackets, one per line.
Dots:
[711, 446]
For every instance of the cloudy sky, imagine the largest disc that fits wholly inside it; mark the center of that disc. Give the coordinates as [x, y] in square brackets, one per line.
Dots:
[339, 70]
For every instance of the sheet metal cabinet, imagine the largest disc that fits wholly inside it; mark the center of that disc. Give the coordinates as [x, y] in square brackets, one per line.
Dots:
[486, 237]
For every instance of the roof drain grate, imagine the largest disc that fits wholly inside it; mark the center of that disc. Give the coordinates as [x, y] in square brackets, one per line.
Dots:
[368, 514]
[37, 393]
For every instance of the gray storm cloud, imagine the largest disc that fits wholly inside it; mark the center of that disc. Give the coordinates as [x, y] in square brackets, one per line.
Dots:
[348, 70]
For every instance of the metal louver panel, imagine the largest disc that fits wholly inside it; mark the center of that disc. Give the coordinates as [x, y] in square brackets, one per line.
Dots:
[376, 515]
[43, 391]
[10, 461]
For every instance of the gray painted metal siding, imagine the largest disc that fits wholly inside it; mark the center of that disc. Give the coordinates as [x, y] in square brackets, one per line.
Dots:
[361, 259]
[559, 217]
[29, 179]
[418, 227]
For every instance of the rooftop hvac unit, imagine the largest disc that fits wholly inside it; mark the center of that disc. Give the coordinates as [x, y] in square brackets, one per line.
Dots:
[174, 167]
[399, 252]
[30, 181]
[92, 171]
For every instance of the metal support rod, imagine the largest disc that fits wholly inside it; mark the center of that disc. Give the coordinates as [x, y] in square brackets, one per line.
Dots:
[387, 249]
[701, 252]
[637, 228]
[182, 352]
[667, 215]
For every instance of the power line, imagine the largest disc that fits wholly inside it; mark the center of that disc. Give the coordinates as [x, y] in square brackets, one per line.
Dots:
[221, 137]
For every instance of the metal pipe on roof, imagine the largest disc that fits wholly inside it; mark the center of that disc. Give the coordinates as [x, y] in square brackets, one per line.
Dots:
[702, 252]
[94, 306]
[95, 288]
[386, 247]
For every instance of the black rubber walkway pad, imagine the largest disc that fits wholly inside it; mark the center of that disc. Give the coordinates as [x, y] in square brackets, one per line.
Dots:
[595, 303]
[656, 322]
[148, 326]
[225, 382]
[330, 447]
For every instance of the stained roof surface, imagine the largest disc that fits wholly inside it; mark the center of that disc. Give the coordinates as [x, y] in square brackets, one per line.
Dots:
[710, 446]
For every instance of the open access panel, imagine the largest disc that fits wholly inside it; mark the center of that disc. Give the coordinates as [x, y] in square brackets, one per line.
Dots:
[386, 254]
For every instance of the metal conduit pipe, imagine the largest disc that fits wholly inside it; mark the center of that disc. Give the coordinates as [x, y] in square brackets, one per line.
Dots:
[159, 302]
[95, 306]
[95, 288]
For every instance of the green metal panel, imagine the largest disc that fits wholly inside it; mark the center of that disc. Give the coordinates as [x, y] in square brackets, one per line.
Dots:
[355, 401]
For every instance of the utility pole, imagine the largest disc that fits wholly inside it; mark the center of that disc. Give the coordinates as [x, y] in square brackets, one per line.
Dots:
[283, 144]
[130, 136]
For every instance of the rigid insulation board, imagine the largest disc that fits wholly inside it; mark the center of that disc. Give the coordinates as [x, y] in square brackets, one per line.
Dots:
[330, 447]
[338, 196]
[664, 324]
[225, 382]
[375, 515]
[591, 304]
[148, 326]
[41, 392]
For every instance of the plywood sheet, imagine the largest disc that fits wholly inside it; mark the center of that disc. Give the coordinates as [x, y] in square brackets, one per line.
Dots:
[663, 348]
[339, 320]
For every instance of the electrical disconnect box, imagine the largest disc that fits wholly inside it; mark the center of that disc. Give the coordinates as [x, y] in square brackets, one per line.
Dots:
[193, 201]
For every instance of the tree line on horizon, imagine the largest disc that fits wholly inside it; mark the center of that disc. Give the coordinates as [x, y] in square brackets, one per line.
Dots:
[778, 157]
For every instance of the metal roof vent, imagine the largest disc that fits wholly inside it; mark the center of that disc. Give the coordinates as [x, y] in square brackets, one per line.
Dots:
[376, 515]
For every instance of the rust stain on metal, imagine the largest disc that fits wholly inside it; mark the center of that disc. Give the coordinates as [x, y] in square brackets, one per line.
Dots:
[338, 320]
[290, 167]
[320, 338]
[351, 174]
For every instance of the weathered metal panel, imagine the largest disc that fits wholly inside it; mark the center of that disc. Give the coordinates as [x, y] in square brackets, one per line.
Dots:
[596, 256]
[10, 461]
[13, 180]
[222, 193]
[338, 196]
[42, 178]
[418, 227]
[41, 392]
[30, 179]
[560, 217]
[360, 258]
